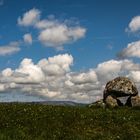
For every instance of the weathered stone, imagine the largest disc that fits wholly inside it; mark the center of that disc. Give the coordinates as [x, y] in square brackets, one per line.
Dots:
[111, 102]
[135, 101]
[98, 103]
[120, 87]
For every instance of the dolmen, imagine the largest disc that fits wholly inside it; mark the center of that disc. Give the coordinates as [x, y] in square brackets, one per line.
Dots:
[118, 88]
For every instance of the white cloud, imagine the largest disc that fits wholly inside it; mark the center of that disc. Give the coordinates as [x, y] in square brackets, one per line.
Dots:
[7, 72]
[61, 34]
[29, 18]
[50, 78]
[83, 78]
[33, 73]
[57, 65]
[135, 75]
[52, 32]
[28, 38]
[108, 70]
[76, 33]
[132, 50]
[53, 78]
[113, 68]
[9, 49]
[46, 23]
[134, 25]
[2, 87]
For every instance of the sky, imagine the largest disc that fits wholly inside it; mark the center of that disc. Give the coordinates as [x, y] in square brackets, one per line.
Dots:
[66, 50]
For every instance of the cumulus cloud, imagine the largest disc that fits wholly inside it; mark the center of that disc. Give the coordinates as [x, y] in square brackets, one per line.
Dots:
[53, 78]
[32, 73]
[113, 68]
[9, 49]
[132, 50]
[134, 25]
[135, 75]
[83, 78]
[7, 72]
[28, 38]
[52, 32]
[29, 18]
[57, 65]
[46, 23]
[60, 34]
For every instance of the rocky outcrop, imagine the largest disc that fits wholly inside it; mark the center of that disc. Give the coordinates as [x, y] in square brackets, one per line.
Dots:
[119, 87]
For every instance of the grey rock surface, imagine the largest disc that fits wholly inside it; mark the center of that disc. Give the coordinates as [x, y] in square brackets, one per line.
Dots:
[119, 87]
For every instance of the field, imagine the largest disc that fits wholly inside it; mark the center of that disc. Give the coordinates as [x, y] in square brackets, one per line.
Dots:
[47, 122]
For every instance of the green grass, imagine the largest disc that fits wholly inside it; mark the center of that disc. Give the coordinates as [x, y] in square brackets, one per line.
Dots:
[42, 122]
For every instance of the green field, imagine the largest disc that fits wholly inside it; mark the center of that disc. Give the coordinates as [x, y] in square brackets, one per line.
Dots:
[46, 122]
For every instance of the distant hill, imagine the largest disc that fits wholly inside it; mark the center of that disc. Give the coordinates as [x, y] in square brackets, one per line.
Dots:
[62, 103]
[55, 103]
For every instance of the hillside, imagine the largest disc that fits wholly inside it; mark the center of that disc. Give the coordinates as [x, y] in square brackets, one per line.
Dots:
[41, 122]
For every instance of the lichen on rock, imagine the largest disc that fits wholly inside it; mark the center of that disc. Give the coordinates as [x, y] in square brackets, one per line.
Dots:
[119, 87]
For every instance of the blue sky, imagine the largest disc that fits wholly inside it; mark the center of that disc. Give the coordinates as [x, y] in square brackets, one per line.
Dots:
[92, 32]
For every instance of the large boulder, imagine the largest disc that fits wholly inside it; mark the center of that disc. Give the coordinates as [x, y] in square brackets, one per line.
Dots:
[120, 87]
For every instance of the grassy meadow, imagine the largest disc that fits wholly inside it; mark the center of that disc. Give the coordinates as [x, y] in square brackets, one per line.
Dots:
[19, 121]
